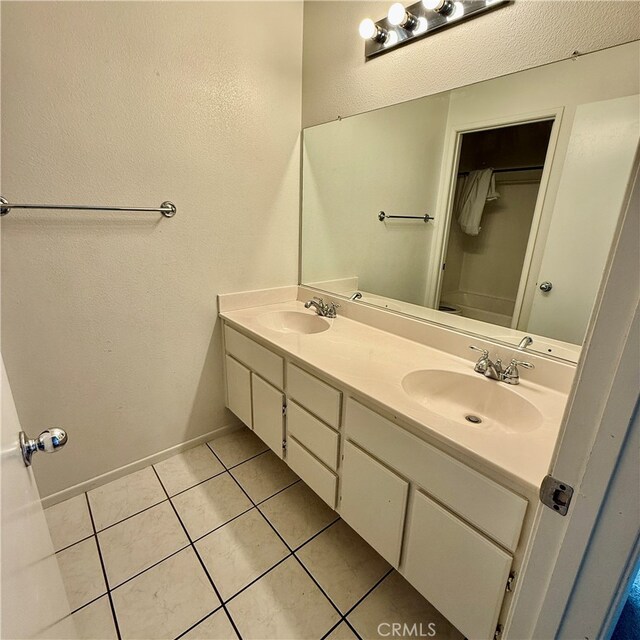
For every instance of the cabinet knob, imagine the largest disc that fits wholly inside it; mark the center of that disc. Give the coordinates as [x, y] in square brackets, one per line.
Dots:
[546, 286]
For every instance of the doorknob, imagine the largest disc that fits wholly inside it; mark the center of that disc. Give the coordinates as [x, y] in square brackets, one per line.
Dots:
[546, 287]
[48, 441]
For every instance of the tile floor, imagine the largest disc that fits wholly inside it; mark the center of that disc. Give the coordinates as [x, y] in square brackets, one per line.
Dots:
[224, 541]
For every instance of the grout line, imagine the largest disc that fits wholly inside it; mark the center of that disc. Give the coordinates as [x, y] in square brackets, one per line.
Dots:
[194, 485]
[97, 531]
[73, 544]
[315, 535]
[375, 586]
[353, 629]
[204, 535]
[262, 575]
[233, 466]
[193, 626]
[155, 564]
[202, 564]
[332, 629]
[104, 571]
[102, 595]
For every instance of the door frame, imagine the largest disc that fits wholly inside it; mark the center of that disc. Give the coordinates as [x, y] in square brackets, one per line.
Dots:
[447, 188]
[597, 419]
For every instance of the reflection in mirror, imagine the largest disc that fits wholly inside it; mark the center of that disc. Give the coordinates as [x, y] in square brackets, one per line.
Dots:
[522, 179]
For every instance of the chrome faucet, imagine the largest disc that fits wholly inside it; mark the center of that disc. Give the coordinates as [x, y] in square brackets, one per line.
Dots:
[355, 296]
[324, 309]
[525, 342]
[495, 371]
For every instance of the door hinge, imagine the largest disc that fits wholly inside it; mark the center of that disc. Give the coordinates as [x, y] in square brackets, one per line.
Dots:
[284, 445]
[284, 409]
[556, 495]
[498, 632]
[511, 581]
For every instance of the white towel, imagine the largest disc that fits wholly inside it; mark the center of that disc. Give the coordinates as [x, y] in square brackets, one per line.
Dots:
[473, 192]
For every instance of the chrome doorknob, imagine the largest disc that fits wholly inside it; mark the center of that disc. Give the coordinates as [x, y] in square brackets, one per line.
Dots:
[546, 287]
[48, 441]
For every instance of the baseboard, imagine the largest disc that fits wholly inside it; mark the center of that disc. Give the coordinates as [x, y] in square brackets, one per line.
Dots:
[80, 488]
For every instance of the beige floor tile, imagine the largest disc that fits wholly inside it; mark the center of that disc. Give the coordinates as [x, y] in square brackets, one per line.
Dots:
[298, 513]
[210, 504]
[238, 446]
[166, 600]
[263, 476]
[122, 498]
[215, 627]
[69, 522]
[188, 468]
[140, 541]
[344, 565]
[95, 621]
[342, 632]
[395, 600]
[81, 572]
[240, 551]
[285, 603]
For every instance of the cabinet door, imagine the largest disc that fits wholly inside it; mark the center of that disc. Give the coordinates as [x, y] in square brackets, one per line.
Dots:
[459, 571]
[238, 389]
[374, 500]
[268, 421]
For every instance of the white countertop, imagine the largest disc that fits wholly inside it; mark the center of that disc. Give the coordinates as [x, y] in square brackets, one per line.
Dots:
[372, 363]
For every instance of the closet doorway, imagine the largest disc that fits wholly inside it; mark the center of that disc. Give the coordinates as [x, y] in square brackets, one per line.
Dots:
[490, 233]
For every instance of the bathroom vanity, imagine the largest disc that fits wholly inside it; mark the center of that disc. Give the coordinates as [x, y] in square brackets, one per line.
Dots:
[437, 467]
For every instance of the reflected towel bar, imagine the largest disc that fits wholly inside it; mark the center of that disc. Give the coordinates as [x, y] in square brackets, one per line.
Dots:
[167, 208]
[425, 218]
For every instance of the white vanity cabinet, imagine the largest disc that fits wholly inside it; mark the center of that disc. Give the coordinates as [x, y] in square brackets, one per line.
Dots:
[450, 530]
[254, 383]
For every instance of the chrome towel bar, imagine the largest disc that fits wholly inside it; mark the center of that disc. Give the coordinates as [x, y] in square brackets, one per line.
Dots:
[167, 208]
[425, 218]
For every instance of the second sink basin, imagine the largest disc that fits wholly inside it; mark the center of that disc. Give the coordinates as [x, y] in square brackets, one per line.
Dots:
[472, 400]
[294, 322]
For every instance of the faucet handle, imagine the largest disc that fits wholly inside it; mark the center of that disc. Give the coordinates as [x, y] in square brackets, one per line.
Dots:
[511, 374]
[520, 363]
[483, 361]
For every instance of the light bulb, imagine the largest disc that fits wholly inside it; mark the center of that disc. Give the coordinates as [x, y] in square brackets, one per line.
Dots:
[458, 12]
[367, 29]
[433, 5]
[397, 14]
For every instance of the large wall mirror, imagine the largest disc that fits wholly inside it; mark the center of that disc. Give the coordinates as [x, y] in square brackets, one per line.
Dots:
[507, 192]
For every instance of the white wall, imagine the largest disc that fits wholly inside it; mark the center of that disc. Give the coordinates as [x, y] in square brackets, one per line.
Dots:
[109, 320]
[384, 160]
[338, 82]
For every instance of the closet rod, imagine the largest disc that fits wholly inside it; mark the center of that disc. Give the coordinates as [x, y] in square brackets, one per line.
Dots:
[536, 168]
[167, 208]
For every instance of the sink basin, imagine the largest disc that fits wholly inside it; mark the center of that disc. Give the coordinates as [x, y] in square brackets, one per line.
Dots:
[294, 322]
[472, 400]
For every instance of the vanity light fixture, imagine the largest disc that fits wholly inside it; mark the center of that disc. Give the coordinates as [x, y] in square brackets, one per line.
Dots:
[403, 25]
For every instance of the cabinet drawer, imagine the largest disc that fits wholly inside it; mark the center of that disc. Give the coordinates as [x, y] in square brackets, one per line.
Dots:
[259, 359]
[459, 571]
[318, 397]
[313, 472]
[374, 500]
[268, 421]
[313, 434]
[238, 389]
[482, 502]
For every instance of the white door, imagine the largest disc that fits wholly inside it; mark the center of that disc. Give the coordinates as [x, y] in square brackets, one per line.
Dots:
[596, 170]
[33, 600]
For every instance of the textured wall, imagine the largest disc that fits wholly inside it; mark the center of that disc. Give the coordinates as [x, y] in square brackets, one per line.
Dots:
[338, 82]
[109, 320]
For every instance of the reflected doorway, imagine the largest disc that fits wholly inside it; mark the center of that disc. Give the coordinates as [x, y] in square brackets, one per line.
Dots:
[490, 235]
